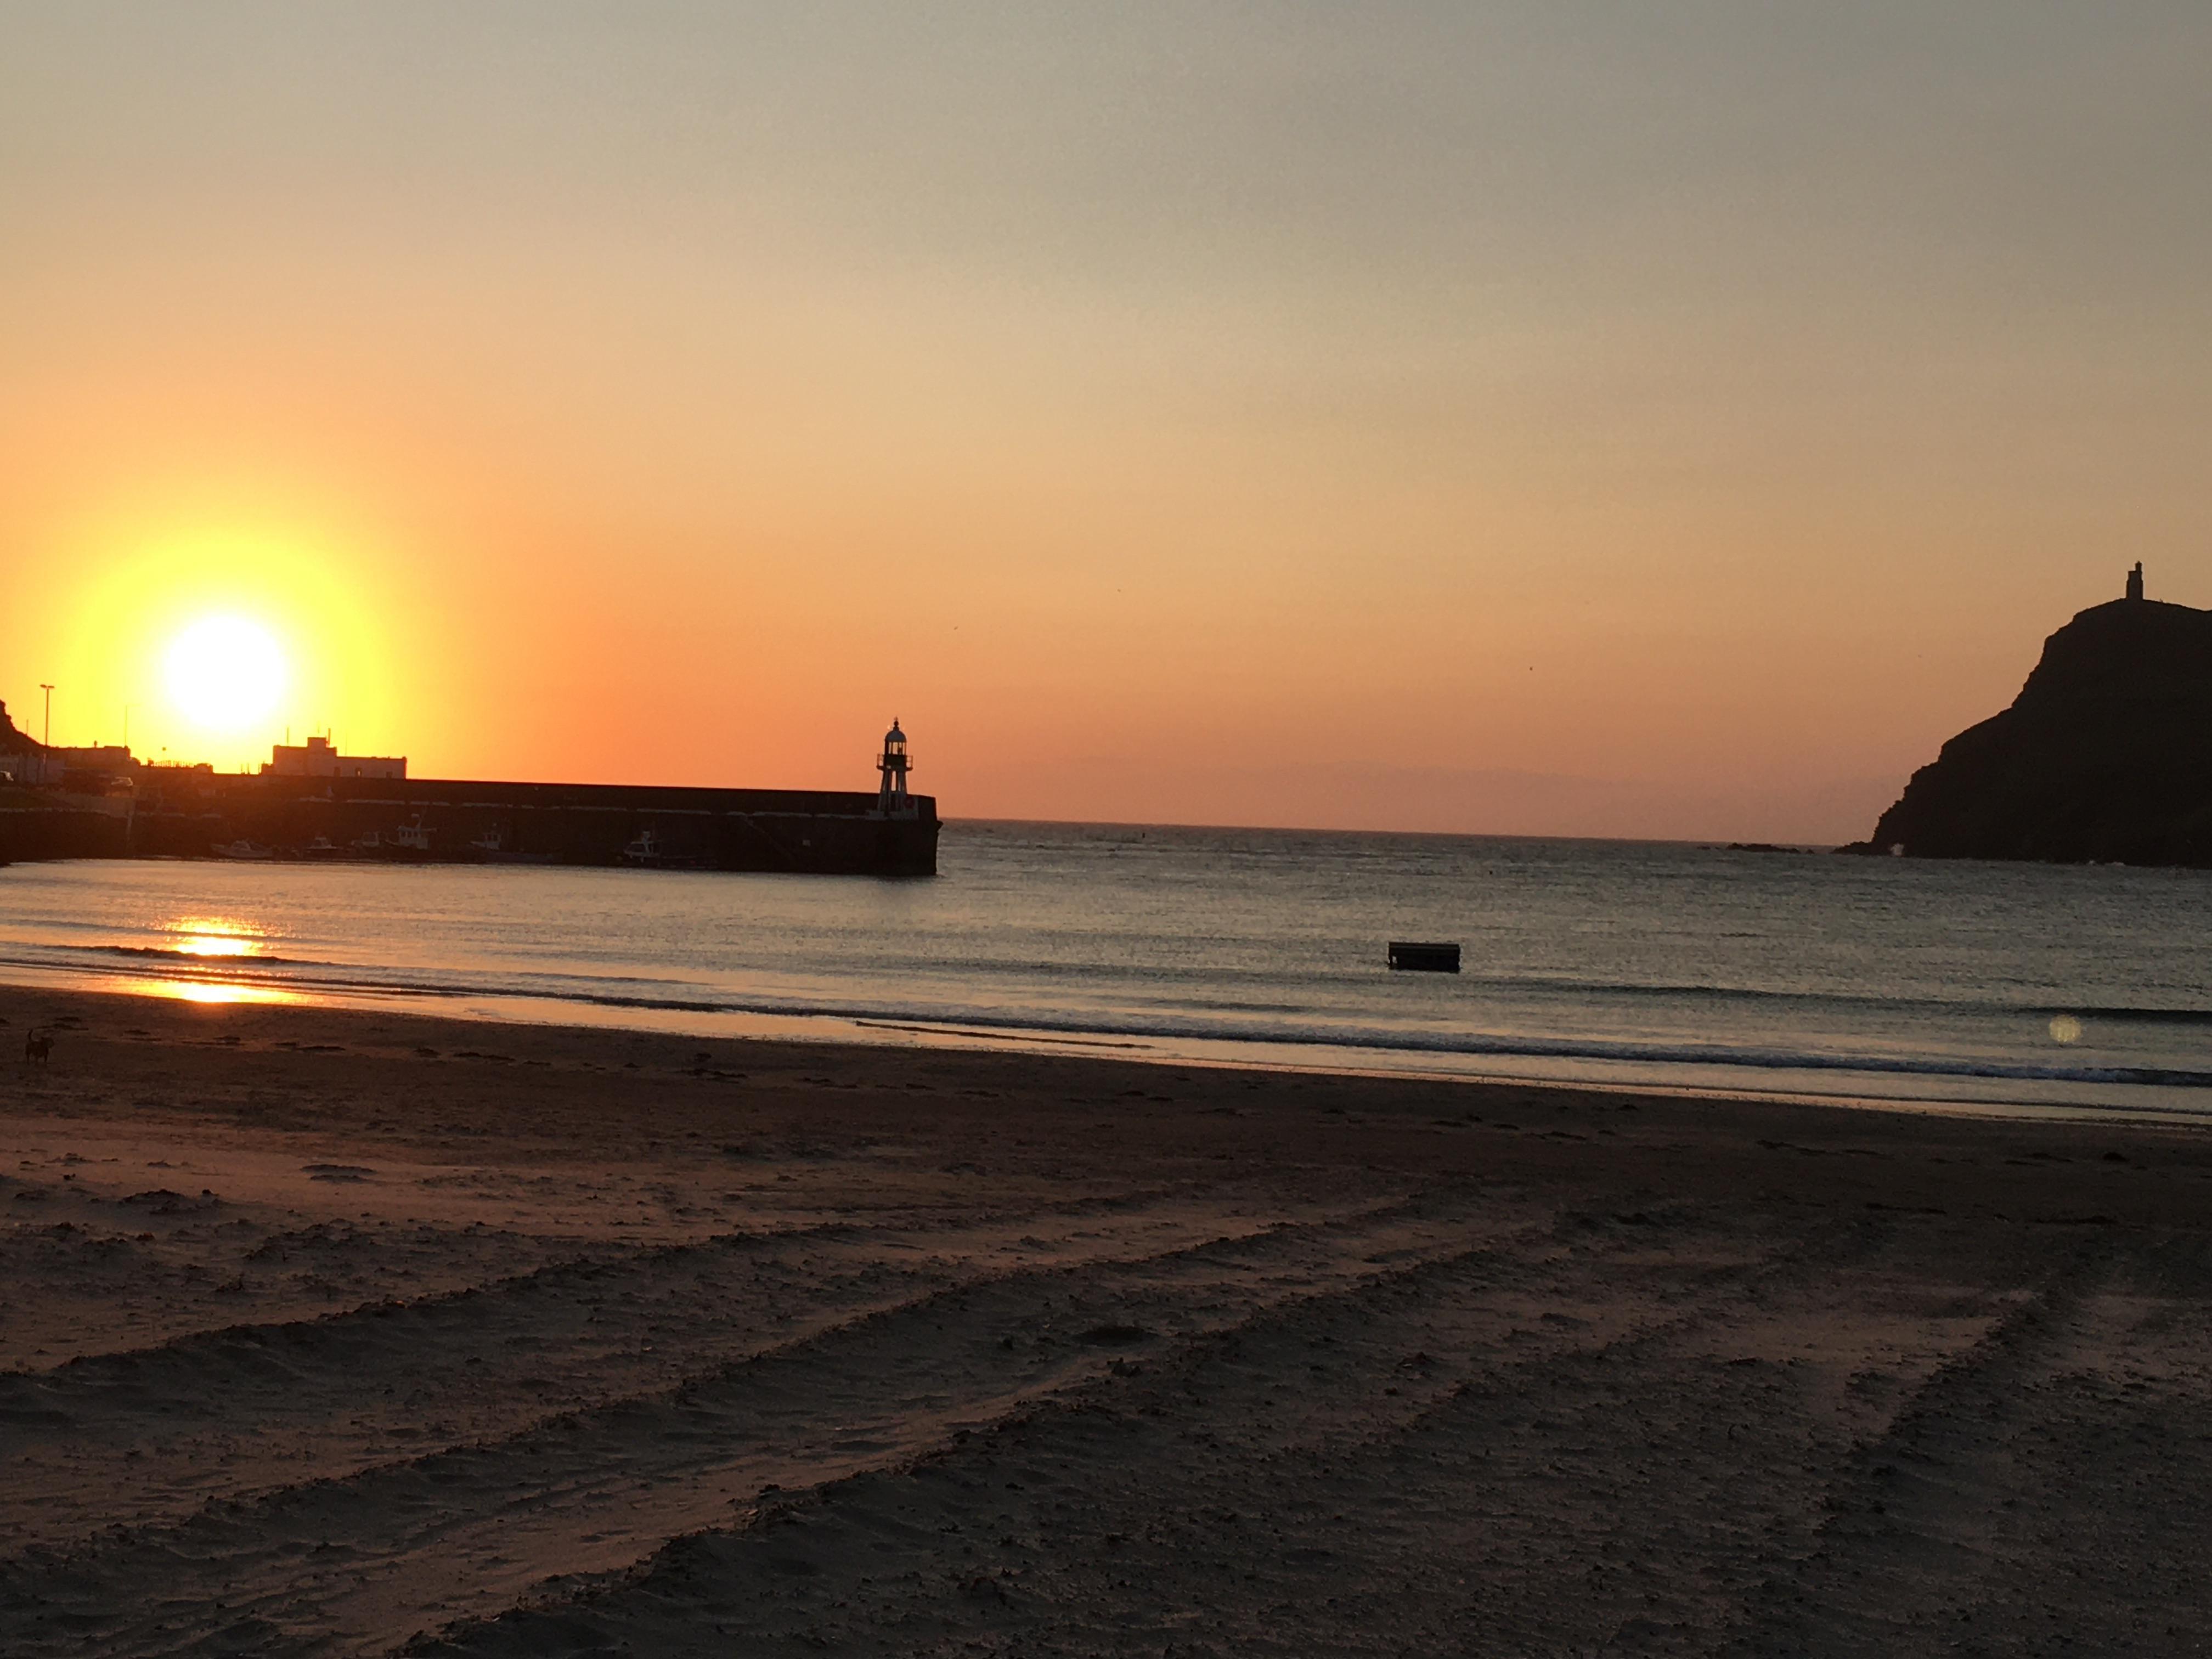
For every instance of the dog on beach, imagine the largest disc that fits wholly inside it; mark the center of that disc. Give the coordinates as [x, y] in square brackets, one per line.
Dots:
[38, 1047]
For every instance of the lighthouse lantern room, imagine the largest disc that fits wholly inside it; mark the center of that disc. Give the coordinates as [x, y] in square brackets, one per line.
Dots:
[891, 798]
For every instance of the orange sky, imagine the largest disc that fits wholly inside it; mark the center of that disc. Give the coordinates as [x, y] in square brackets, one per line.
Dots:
[1512, 418]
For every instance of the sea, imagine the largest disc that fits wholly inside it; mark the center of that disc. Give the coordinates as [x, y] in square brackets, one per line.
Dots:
[1645, 965]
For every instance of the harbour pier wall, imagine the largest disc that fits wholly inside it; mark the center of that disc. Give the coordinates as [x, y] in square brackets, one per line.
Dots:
[458, 821]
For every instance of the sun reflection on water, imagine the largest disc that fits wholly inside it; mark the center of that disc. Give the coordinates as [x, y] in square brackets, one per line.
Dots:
[215, 936]
[211, 991]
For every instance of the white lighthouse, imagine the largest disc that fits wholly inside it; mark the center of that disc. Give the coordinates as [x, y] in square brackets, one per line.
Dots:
[890, 798]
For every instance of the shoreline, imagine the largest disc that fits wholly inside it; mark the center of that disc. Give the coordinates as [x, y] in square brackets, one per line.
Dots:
[501, 1011]
[100, 1030]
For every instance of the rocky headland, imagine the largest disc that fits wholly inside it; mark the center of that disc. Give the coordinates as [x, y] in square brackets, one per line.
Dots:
[2106, 756]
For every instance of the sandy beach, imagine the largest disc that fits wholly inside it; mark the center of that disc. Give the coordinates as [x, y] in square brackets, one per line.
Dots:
[351, 1332]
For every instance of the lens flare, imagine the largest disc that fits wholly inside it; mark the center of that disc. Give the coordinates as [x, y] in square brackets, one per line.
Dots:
[225, 673]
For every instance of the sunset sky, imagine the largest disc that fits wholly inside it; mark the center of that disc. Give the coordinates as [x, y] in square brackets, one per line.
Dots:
[1557, 417]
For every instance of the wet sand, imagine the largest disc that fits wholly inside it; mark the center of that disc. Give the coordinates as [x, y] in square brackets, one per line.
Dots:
[343, 1333]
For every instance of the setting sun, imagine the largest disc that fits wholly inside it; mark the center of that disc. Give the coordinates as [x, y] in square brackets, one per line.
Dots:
[225, 672]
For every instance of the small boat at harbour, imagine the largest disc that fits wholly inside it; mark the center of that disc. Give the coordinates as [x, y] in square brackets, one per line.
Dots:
[491, 847]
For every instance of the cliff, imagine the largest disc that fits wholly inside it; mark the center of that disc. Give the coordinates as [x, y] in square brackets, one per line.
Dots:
[2106, 756]
[13, 742]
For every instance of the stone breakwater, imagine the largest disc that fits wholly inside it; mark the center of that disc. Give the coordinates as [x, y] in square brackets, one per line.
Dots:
[821, 832]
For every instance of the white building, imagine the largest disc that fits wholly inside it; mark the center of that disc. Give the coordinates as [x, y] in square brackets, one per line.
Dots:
[319, 757]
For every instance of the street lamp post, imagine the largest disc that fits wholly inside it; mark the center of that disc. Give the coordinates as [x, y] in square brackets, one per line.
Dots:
[48, 740]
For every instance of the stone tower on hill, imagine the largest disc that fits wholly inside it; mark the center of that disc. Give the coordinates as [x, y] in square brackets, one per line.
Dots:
[2106, 756]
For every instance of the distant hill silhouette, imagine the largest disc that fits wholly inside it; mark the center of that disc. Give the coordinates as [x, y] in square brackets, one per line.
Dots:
[13, 742]
[2106, 756]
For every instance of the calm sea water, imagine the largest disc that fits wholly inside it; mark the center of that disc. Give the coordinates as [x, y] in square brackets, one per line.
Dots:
[1603, 962]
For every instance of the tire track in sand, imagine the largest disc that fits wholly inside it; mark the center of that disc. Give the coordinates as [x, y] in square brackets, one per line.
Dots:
[1225, 1496]
[355, 1563]
[1931, 1539]
[137, 1438]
